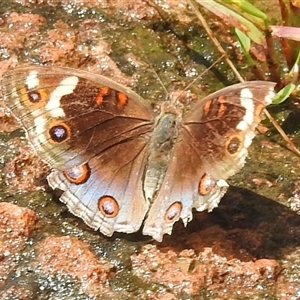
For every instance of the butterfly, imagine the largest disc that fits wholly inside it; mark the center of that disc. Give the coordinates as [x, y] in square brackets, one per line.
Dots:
[119, 164]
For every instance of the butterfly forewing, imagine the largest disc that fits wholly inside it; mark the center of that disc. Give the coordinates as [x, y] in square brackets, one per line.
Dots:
[223, 125]
[70, 115]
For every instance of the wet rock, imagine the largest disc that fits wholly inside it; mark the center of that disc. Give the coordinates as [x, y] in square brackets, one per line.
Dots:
[16, 225]
[69, 256]
[186, 272]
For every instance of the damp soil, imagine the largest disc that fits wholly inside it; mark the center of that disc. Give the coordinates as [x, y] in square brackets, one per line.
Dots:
[247, 248]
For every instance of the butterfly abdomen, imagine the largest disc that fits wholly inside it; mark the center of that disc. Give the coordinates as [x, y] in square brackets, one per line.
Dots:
[160, 150]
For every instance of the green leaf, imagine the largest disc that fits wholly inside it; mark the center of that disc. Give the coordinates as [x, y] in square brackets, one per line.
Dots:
[248, 8]
[284, 93]
[235, 19]
[245, 45]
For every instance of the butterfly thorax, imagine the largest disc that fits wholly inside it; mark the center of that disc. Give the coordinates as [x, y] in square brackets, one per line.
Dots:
[160, 152]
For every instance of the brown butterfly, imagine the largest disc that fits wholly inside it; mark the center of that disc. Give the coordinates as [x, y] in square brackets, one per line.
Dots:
[117, 163]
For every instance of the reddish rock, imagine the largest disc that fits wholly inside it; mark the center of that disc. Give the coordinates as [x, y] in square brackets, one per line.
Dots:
[69, 256]
[26, 172]
[15, 221]
[16, 224]
[21, 29]
[187, 272]
[60, 43]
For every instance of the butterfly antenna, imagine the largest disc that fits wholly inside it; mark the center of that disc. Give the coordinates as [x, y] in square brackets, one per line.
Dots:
[137, 43]
[173, 100]
[204, 72]
[199, 76]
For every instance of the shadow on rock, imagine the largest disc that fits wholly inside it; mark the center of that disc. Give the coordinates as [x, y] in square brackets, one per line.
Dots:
[246, 226]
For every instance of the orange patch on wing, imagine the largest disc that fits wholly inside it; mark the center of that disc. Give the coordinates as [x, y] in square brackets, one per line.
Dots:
[102, 92]
[173, 212]
[234, 144]
[222, 99]
[259, 109]
[108, 206]
[79, 174]
[222, 107]
[206, 107]
[122, 99]
[55, 125]
[32, 98]
[221, 110]
[206, 185]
